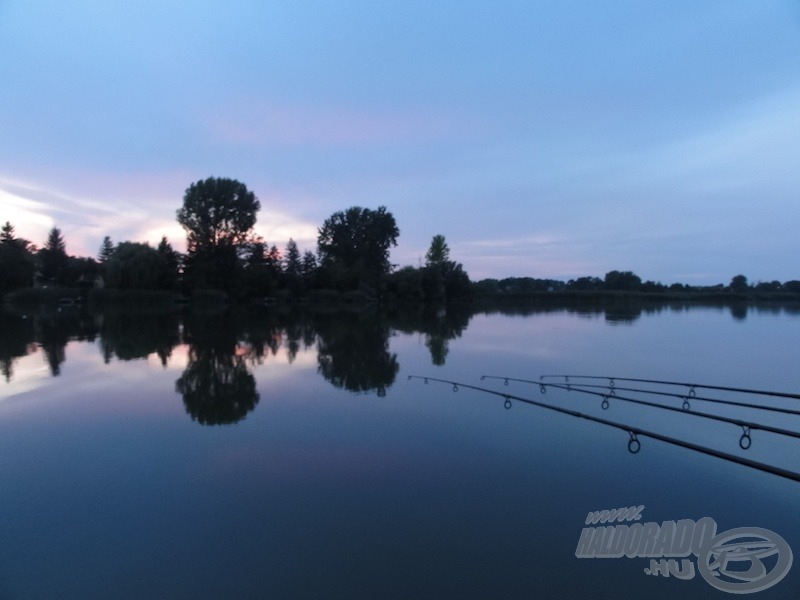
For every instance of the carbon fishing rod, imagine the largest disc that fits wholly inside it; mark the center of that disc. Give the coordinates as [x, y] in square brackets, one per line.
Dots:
[746, 426]
[634, 445]
[691, 386]
[744, 441]
[613, 389]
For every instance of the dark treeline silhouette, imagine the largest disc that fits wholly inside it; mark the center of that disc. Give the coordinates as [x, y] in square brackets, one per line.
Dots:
[441, 279]
[225, 256]
[24, 265]
[627, 282]
[225, 259]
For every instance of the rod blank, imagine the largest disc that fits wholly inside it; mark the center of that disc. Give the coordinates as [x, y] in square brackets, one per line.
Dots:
[632, 430]
[691, 386]
[581, 389]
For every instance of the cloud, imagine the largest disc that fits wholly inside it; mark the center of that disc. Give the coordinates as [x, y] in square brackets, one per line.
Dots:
[83, 220]
[30, 218]
[752, 146]
[140, 208]
[519, 242]
[280, 227]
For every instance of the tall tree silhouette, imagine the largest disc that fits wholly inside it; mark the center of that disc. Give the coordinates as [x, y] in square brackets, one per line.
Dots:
[354, 244]
[106, 250]
[17, 265]
[54, 259]
[218, 215]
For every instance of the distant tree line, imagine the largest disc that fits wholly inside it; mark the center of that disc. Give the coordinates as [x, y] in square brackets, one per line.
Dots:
[223, 253]
[624, 281]
[23, 264]
[351, 261]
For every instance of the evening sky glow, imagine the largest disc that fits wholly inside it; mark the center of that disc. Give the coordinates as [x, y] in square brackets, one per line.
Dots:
[547, 139]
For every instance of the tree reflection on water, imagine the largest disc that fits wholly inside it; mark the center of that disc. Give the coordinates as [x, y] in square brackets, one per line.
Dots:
[440, 324]
[130, 336]
[352, 347]
[353, 352]
[16, 340]
[217, 385]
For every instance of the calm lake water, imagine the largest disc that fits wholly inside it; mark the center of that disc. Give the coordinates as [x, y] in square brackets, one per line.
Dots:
[272, 455]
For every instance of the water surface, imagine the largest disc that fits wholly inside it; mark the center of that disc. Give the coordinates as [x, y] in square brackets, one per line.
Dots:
[252, 455]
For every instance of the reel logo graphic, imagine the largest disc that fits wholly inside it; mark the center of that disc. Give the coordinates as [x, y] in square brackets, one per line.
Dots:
[738, 561]
[745, 548]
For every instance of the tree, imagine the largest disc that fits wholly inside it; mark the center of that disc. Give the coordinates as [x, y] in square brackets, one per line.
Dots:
[82, 271]
[456, 281]
[792, 286]
[273, 259]
[292, 266]
[739, 283]
[623, 281]
[262, 268]
[134, 266]
[55, 241]
[585, 283]
[438, 254]
[309, 264]
[106, 250]
[16, 267]
[7, 237]
[170, 260]
[16, 263]
[408, 283]
[217, 212]
[768, 286]
[218, 215]
[54, 258]
[443, 278]
[353, 246]
[7, 233]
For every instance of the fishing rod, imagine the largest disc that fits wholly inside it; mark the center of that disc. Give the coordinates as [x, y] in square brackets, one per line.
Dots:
[686, 398]
[691, 386]
[744, 441]
[613, 389]
[634, 445]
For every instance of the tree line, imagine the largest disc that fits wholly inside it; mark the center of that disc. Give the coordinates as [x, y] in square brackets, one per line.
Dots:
[224, 254]
[351, 261]
[626, 281]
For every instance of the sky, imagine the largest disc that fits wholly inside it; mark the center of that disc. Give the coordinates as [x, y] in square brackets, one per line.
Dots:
[553, 139]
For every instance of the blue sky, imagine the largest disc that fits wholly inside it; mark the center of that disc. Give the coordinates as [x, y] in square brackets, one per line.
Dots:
[550, 139]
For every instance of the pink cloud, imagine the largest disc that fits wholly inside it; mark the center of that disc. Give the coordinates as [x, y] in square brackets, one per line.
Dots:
[139, 206]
